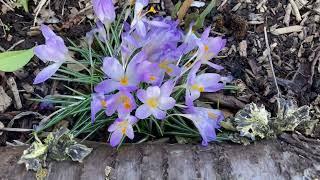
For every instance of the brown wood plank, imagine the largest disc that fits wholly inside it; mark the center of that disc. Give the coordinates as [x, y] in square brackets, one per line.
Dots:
[264, 160]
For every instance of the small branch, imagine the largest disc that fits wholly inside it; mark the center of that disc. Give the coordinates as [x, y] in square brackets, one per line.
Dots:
[296, 10]
[16, 129]
[286, 30]
[270, 60]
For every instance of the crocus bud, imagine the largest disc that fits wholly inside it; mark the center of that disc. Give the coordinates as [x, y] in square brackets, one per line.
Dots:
[104, 10]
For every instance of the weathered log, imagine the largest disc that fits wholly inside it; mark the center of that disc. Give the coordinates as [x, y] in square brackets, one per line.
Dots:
[288, 158]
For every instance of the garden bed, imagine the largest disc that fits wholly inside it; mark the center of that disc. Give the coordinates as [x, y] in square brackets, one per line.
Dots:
[272, 54]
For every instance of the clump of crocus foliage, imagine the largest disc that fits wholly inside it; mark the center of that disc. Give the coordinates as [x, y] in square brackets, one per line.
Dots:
[150, 72]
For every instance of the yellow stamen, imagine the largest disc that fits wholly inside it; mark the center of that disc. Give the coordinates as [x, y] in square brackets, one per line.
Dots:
[152, 78]
[103, 103]
[123, 130]
[124, 81]
[125, 101]
[169, 70]
[164, 64]
[152, 10]
[152, 102]
[212, 115]
[123, 125]
[127, 105]
[206, 48]
[197, 87]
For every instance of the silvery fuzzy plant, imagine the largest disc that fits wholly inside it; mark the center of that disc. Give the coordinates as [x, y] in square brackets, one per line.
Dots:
[255, 122]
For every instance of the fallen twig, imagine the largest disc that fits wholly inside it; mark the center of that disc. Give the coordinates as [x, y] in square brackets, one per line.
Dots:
[295, 10]
[286, 30]
[286, 19]
[270, 60]
[16, 129]
[15, 44]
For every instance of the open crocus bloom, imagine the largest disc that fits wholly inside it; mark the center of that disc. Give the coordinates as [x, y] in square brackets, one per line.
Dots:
[119, 76]
[120, 128]
[139, 21]
[104, 10]
[156, 101]
[54, 50]
[99, 102]
[123, 102]
[207, 82]
[209, 47]
[206, 121]
[139, 17]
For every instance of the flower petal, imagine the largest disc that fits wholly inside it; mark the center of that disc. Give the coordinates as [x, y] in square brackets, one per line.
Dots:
[112, 68]
[95, 106]
[46, 73]
[153, 92]
[210, 82]
[206, 33]
[216, 45]
[129, 132]
[106, 86]
[112, 127]
[143, 112]
[116, 137]
[142, 95]
[48, 53]
[167, 88]
[47, 32]
[141, 28]
[132, 119]
[158, 114]
[215, 66]
[166, 103]
[194, 94]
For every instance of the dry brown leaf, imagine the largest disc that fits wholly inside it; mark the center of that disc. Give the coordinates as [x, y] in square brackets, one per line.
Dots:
[184, 8]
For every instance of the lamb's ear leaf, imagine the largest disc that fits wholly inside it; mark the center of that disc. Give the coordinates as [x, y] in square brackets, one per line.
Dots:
[13, 60]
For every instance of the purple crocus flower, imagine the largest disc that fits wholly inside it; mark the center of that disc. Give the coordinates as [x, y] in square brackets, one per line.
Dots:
[140, 22]
[150, 73]
[206, 121]
[123, 102]
[119, 76]
[156, 101]
[104, 10]
[139, 18]
[207, 82]
[209, 47]
[122, 127]
[54, 50]
[99, 102]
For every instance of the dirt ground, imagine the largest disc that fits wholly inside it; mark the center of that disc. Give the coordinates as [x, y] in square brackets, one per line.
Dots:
[293, 37]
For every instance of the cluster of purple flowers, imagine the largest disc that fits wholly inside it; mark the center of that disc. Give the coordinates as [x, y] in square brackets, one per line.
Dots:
[140, 83]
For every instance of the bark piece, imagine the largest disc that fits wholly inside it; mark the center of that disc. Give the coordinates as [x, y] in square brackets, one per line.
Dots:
[13, 86]
[5, 100]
